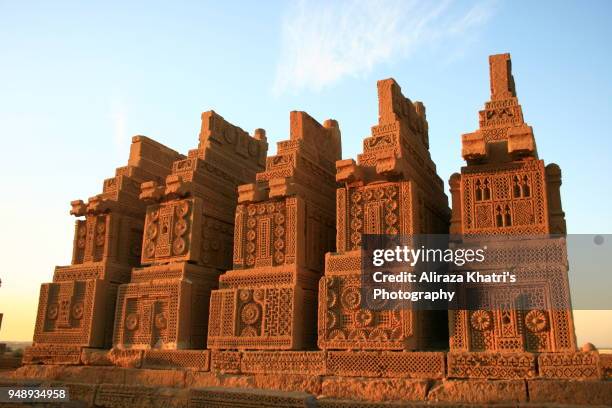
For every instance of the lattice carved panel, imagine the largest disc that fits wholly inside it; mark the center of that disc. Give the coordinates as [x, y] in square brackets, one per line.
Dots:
[505, 201]
[346, 323]
[74, 312]
[154, 316]
[384, 208]
[261, 318]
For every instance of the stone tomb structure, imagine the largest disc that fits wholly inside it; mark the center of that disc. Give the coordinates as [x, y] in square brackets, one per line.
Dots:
[187, 242]
[77, 309]
[252, 237]
[285, 223]
[392, 189]
[508, 200]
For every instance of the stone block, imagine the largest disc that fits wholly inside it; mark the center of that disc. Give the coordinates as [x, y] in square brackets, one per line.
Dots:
[491, 365]
[52, 354]
[570, 392]
[288, 382]
[225, 361]
[473, 146]
[154, 378]
[198, 379]
[479, 391]
[95, 357]
[129, 396]
[240, 398]
[126, 358]
[191, 359]
[379, 389]
[386, 364]
[285, 362]
[570, 365]
[84, 393]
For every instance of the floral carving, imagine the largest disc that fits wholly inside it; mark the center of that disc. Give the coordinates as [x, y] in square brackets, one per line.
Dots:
[536, 321]
[363, 317]
[481, 320]
[250, 313]
[351, 297]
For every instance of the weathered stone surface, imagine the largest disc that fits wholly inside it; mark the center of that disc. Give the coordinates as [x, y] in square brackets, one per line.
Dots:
[385, 364]
[128, 396]
[225, 361]
[479, 391]
[289, 382]
[155, 378]
[336, 403]
[286, 362]
[126, 358]
[37, 372]
[195, 379]
[10, 381]
[95, 357]
[570, 392]
[52, 354]
[192, 359]
[82, 374]
[85, 393]
[569, 365]
[240, 398]
[281, 382]
[491, 365]
[378, 389]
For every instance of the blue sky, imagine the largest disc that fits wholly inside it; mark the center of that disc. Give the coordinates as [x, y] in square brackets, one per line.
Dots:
[78, 79]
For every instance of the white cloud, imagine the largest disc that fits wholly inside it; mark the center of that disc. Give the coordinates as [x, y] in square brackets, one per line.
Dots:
[324, 42]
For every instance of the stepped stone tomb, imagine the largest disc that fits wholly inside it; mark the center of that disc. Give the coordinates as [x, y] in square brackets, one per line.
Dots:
[228, 277]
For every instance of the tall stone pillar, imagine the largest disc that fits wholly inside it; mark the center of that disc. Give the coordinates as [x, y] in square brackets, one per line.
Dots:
[506, 200]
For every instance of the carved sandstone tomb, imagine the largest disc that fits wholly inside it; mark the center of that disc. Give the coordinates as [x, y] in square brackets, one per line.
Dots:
[77, 309]
[284, 226]
[392, 190]
[507, 200]
[187, 240]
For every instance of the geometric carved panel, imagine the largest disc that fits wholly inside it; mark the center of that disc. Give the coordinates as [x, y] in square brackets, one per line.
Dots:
[170, 231]
[67, 310]
[147, 315]
[505, 199]
[261, 318]
[345, 322]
